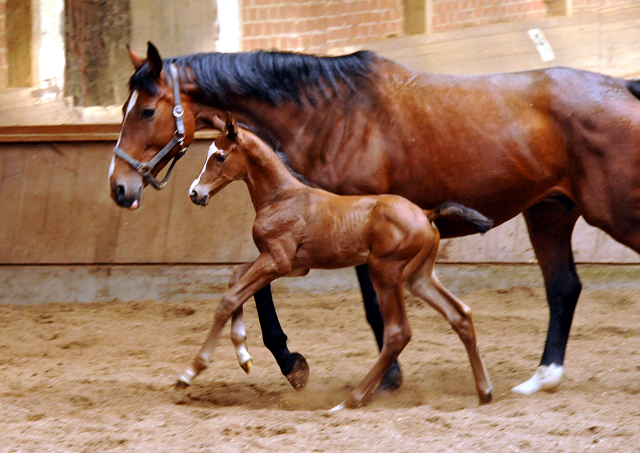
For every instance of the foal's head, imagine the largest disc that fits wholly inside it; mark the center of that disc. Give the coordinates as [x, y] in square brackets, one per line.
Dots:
[225, 162]
[152, 121]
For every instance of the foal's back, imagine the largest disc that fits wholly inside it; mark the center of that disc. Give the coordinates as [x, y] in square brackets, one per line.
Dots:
[343, 231]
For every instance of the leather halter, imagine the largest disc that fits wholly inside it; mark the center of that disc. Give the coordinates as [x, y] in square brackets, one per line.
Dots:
[145, 169]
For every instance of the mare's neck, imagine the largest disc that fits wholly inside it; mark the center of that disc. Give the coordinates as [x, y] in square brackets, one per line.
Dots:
[267, 178]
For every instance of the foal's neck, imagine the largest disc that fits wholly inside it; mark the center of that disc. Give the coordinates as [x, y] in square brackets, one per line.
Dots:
[267, 177]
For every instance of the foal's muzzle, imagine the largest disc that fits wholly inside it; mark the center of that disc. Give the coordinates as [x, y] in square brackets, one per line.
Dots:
[199, 199]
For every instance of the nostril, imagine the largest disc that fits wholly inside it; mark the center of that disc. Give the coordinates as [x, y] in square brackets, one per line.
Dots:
[120, 191]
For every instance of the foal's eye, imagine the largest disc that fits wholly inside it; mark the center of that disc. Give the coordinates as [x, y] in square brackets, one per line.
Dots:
[147, 114]
[220, 157]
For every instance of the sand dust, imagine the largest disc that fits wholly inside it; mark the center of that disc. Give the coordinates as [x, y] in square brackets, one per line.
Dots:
[99, 378]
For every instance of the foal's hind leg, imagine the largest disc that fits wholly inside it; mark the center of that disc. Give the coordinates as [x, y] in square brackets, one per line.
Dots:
[424, 284]
[392, 378]
[388, 282]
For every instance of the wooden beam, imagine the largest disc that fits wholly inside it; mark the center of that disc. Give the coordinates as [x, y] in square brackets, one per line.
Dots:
[73, 133]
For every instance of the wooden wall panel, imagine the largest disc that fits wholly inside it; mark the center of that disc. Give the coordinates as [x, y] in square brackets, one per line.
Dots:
[56, 208]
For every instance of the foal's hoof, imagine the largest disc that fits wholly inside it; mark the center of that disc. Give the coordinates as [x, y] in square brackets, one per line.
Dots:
[299, 374]
[182, 385]
[392, 380]
[486, 399]
[246, 366]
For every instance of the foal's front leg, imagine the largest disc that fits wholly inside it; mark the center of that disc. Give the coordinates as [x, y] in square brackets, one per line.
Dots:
[262, 272]
[238, 331]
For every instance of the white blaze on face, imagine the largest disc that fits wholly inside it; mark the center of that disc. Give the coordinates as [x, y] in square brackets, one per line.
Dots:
[132, 102]
[212, 150]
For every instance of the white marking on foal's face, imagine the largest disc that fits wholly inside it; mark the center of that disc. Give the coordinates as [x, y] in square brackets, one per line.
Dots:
[130, 105]
[212, 150]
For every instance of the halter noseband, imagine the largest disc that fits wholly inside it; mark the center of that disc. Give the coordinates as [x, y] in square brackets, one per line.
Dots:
[145, 169]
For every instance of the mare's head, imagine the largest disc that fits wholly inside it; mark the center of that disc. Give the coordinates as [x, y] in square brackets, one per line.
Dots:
[225, 163]
[157, 127]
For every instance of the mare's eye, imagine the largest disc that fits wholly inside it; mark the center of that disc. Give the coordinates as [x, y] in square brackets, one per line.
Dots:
[147, 114]
[220, 157]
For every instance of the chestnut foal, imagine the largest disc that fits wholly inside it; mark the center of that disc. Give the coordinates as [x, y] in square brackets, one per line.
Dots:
[299, 227]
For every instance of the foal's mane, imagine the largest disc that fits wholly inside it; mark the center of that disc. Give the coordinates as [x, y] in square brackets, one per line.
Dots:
[269, 76]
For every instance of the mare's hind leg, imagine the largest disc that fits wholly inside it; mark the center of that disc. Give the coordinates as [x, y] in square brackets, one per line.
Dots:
[392, 379]
[424, 284]
[397, 333]
[550, 226]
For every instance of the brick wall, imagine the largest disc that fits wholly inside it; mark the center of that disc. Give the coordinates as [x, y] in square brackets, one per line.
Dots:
[318, 26]
[4, 73]
[452, 14]
[595, 5]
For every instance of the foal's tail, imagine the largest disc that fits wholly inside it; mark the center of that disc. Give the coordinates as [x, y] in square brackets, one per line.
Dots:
[479, 222]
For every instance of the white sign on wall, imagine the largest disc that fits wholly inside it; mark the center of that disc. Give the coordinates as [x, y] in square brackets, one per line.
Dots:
[541, 43]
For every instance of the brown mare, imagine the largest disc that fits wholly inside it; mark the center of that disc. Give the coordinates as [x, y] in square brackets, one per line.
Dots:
[299, 227]
[555, 144]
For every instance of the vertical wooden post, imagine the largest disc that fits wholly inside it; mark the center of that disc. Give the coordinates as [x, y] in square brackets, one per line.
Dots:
[559, 7]
[95, 38]
[418, 16]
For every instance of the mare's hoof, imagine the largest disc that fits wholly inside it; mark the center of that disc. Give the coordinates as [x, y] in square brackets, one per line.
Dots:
[392, 380]
[299, 374]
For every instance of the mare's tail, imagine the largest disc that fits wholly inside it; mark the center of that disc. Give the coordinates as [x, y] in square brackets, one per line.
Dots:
[479, 222]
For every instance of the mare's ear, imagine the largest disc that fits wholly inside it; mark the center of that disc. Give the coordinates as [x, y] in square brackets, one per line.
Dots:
[137, 60]
[218, 123]
[232, 127]
[154, 60]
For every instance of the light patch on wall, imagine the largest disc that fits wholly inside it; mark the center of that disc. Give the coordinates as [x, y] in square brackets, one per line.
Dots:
[51, 58]
[229, 21]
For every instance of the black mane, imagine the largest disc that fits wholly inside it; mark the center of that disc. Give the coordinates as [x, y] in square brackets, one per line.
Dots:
[273, 77]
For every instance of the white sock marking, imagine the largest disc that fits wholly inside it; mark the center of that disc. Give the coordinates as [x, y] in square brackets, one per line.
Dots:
[545, 378]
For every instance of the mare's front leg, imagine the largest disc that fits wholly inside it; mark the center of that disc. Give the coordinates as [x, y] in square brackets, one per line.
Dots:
[262, 272]
[550, 226]
[392, 379]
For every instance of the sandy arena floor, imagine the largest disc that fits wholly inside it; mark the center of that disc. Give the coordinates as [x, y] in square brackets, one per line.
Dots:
[99, 378]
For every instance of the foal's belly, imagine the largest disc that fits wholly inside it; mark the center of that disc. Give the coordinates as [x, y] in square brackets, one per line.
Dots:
[331, 253]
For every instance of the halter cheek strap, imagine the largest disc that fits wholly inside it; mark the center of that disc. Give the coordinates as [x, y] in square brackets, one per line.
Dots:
[145, 169]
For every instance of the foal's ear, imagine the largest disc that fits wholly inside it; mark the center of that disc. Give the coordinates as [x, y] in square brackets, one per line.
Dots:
[232, 127]
[218, 123]
[154, 60]
[137, 60]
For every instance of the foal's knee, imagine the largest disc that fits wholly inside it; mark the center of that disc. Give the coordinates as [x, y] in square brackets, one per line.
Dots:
[397, 337]
[228, 305]
[464, 325]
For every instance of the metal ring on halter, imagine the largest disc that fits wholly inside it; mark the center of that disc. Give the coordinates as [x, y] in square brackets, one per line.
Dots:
[145, 169]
